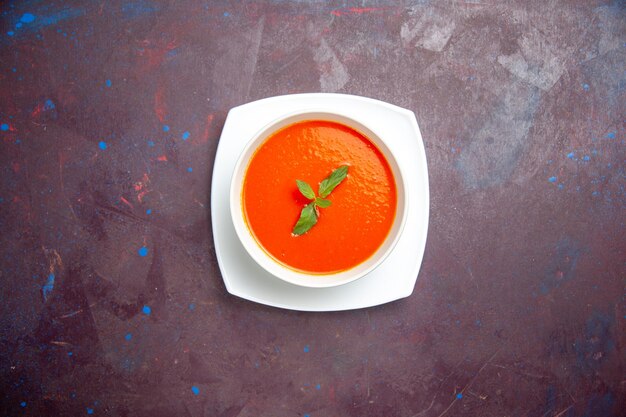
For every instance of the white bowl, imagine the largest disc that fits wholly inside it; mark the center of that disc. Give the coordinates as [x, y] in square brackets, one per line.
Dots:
[254, 248]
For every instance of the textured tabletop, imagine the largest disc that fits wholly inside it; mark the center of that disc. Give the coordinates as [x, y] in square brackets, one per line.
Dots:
[111, 298]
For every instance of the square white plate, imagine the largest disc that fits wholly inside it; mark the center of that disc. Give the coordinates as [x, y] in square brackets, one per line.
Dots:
[394, 278]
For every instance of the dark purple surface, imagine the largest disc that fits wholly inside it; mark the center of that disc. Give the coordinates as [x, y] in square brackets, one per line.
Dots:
[519, 306]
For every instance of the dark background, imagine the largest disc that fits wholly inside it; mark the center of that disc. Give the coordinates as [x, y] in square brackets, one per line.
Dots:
[519, 305]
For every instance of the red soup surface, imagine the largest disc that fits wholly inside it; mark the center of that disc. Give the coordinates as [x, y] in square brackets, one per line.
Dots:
[363, 205]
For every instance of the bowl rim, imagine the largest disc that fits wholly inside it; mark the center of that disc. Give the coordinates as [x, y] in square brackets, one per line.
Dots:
[266, 260]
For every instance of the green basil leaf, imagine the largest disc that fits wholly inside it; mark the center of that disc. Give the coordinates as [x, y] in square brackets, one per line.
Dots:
[306, 190]
[333, 180]
[308, 218]
[323, 203]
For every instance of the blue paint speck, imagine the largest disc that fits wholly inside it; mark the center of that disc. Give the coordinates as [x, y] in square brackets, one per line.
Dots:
[190, 169]
[595, 193]
[27, 18]
[586, 87]
[195, 390]
[4, 127]
[318, 387]
[150, 143]
[185, 135]
[459, 395]
[586, 158]
[306, 349]
[108, 83]
[14, 69]
[166, 128]
[610, 135]
[149, 211]
[18, 25]
[146, 310]
[143, 251]
[192, 306]
[10, 33]
[70, 353]
[49, 105]
[128, 336]
[102, 145]
[23, 403]
[552, 179]
[306, 415]
[570, 155]
[561, 186]
[48, 287]
[89, 410]
[226, 14]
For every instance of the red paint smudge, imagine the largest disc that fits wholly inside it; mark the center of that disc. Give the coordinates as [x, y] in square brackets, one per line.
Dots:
[276, 54]
[207, 127]
[12, 128]
[355, 10]
[141, 187]
[37, 110]
[162, 158]
[417, 337]
[159, 104]
[331, 393]
[153, 54]
[15, 166]
[63, 157]
[16, 199]
[125, 201]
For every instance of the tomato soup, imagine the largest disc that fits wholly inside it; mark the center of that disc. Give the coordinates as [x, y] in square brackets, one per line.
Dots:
[363, 205]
